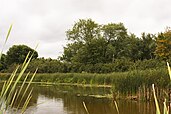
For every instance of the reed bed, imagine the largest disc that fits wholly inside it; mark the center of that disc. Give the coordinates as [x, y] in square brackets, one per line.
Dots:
[135, 83]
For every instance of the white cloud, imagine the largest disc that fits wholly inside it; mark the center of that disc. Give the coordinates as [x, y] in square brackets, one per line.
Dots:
[45, 21]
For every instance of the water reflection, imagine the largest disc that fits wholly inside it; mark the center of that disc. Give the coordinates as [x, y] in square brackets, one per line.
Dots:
[49, 106]
[68, 100]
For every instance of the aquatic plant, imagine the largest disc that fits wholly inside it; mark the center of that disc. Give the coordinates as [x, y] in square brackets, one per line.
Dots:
[165, 109]
[10, 91]
[85, 107]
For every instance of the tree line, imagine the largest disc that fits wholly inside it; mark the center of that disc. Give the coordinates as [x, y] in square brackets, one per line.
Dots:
[98, 48]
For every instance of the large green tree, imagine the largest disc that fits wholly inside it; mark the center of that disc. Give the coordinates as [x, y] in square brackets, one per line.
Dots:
[82, 36]
[92, 43]
[83, 31]
[17, 54]
[148, 45]
[101, 48]
[116, 37]
[142, 48]
[134, 51]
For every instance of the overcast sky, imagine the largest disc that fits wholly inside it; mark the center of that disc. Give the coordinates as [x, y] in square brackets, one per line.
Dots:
[46, 21]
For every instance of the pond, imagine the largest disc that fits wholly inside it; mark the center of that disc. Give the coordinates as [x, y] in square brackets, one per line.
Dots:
[69, 100]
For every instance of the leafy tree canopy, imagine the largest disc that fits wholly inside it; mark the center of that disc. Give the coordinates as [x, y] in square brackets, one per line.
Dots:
[18, 53]
[163, 48]
[3, 64]
[92, 43]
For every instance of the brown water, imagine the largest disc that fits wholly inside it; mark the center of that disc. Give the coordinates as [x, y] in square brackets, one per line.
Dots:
[69, 99]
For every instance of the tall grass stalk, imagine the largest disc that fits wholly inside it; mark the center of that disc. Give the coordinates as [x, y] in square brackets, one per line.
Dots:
[156, 101]
[26, 102]
[117, 108]
[7, 36]
[169, 70]
[85, 107]
[165, 109]
[10, 92]
[26, 89]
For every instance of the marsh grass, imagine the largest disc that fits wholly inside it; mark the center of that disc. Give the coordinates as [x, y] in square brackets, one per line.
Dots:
[10, 91]
[133, 83]
[165, 108]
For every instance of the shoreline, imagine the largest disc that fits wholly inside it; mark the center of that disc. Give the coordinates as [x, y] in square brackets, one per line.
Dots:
[72, 84]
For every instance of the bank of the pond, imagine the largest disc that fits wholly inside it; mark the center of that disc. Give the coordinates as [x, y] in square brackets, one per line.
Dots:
[70, 84]
[131, 83]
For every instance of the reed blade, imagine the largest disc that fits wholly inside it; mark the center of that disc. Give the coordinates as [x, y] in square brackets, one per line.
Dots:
[155, 99]
[117, 108]
[9, 31]
[169, 70]
[27, 102]
[85, 107]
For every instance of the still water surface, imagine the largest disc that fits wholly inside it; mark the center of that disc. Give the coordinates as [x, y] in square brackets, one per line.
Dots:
[69, 99]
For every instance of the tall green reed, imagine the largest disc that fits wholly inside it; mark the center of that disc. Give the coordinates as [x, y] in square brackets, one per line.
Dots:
[165, 109]
[85, 107]
[10, 91]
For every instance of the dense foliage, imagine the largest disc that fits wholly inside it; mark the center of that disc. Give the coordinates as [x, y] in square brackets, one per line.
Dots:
[98, 48]
[18, 53]
[124, 82]
[92, 43]
[3, 64]
[163, 49]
